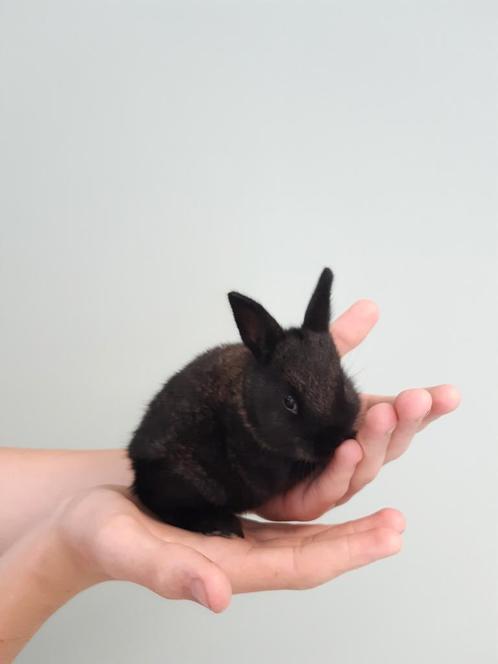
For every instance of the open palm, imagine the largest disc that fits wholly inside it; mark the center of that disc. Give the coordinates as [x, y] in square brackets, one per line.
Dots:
[113, 539]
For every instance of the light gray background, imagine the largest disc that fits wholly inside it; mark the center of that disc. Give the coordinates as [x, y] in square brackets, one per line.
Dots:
[153, 156]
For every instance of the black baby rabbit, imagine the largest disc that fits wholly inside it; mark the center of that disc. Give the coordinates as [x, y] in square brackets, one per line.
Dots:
[244, 422]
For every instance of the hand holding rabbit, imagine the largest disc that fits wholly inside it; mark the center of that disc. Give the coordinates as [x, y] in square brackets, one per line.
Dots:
[387, 425]
[100, 534]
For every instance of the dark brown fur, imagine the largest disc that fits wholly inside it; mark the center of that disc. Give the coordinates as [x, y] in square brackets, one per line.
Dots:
[219, 439]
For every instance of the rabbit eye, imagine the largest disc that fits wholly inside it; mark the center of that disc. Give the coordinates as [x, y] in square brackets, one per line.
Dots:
[290, 403]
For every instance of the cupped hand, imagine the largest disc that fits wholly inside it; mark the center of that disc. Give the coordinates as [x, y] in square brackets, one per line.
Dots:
[387, 427]
[110, 537]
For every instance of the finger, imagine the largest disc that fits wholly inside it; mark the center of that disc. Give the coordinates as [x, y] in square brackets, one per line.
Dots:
[311, 498]
[323, 492]
[309, 565]
[369, 400]
[384, 518]
[374, 436]
[287, 533]
[349, 330]
[445, 399]
[126, 550]
[411, 407]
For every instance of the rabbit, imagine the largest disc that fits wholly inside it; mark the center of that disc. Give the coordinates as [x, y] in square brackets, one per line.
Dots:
[243, 422]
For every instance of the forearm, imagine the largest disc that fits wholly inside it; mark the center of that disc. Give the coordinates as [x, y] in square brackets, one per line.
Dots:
[34, 482]
[38, 574]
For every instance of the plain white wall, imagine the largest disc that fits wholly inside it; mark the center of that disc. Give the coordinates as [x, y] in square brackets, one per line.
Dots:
[153, 156]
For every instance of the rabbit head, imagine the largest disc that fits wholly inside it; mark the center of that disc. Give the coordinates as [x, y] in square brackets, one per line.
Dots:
[298, 400]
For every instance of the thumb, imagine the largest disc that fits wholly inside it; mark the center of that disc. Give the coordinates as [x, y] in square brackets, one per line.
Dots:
[128, 551]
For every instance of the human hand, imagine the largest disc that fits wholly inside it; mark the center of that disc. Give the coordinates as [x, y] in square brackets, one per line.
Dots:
[387, 427]
[111, 538]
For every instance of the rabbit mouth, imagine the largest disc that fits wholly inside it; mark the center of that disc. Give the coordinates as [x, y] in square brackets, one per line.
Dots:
[325, 446]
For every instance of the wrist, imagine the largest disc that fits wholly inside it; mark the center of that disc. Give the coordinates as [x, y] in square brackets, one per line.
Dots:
[49, 477]
[38, 574]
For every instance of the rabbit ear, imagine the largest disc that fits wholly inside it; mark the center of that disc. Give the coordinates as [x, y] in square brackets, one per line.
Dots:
[317, 316]
[259, 331]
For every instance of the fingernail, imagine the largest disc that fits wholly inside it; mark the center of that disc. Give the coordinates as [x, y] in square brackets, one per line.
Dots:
[198, 591]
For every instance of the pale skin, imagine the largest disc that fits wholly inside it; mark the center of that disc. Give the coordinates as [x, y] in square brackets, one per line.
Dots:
[71, 523]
